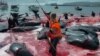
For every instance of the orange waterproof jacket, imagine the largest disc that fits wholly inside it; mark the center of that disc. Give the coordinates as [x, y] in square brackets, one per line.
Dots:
[55, 28]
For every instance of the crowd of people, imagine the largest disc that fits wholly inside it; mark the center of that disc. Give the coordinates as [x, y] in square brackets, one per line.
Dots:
[13, 19]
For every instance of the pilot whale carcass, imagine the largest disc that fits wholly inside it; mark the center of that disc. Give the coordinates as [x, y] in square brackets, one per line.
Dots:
[19, 50]
[82, 37]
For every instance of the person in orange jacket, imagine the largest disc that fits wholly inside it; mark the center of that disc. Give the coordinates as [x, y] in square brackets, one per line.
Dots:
[54, 34]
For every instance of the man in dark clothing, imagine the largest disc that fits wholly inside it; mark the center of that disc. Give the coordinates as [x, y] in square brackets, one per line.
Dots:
[66, 16]
[15, 18]
[36, 14]
[11, 23]
[93, 14]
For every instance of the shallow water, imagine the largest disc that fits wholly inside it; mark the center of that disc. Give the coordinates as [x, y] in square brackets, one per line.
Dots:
[62, 9]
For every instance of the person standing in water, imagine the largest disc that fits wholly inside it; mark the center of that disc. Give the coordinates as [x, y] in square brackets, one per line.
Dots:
[36, 14]
[66, 16]
[15, 18]
[35, 11]
[54, 33]
[93, 14]
[11, 23]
